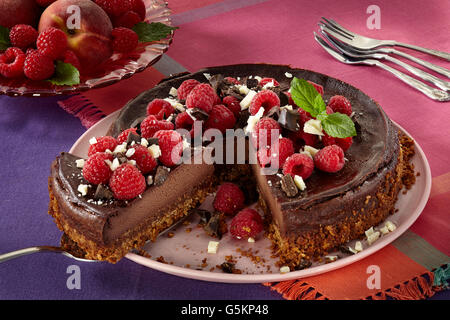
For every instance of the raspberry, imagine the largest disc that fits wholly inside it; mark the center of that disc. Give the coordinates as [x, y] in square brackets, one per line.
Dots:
[186, 87]
[232, 80]
[233, 104]
[96, 170]
[12, 63]
[281, 150]
[318, 87]
[266, 131]
[138, 6]
[44, 3]
[185, 121]
[150, 125]
[124, 40]
[265, 81]
[103, 144]
[221, 118]
[299, 165]
[37, 66]
[171, 144]
[246, 224]
[127, 182]
[229, 199]
[115, 8]
[340, 104]
[264, 156]
[70, 57]
[52, 43]
[330, 159]
[344, 143]
[127, 20]
[144, 160]
[304, 116]
[202, 96]
[23, 36]
[266, 99]
[160, 108]
[301, 138]
[123, 136]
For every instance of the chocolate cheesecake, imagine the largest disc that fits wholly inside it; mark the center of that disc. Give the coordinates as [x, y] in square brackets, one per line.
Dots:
[333, 208]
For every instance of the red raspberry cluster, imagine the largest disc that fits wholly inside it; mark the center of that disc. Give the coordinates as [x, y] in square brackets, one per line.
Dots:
[272, 148]
[230, 200]
[127, 179]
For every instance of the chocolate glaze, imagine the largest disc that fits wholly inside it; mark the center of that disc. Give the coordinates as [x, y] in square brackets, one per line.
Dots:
[373, 153]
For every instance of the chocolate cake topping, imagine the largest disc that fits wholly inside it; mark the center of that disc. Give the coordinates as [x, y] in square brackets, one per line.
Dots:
[289, 119]
[133, 137]
[288, 186]
[162, 173]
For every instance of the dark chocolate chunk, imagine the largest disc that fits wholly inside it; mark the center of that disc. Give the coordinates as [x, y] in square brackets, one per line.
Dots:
[152, 141]
[303, 264]
[227, 267]
[345, 249]
[288, 186]
[289, 119]
[217, 82]
[103, 192]
[122, 158]
[252, 83]
[133, 137]
[274, 113]
[204, 215]
[213, 226]
[284, 99]
[162, 173]
[137, 123]
[198, 114]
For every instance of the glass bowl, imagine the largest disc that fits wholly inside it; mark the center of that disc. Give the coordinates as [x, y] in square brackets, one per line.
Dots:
[117, 67]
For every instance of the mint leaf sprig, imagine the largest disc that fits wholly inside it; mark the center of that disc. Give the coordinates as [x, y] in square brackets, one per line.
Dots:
[154, 31]
[305, 96]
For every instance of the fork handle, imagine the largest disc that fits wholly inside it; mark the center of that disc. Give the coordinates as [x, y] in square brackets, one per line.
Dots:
[441, 84]
[431, 66]
[440, 54]
[430, 92]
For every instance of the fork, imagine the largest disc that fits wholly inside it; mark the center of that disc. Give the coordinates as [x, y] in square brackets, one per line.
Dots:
[430, 92]
[359, 43]
[369, 43]
[444, 85]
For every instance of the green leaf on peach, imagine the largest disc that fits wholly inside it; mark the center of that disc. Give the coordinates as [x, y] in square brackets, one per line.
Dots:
[65, 75]
[4, 38]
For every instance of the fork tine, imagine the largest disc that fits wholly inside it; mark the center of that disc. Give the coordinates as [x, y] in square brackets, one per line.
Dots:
[340, 27]
[335, 34]
[328, 48]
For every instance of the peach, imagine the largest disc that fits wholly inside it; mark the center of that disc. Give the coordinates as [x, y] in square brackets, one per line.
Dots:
[90, 40]
[14, 12]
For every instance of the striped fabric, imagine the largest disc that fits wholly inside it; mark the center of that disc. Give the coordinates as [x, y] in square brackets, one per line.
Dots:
[214, 32]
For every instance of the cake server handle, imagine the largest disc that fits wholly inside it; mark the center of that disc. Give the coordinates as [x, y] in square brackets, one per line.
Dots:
[22, 252]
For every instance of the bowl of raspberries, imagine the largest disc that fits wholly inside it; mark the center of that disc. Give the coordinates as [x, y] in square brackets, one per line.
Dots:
[56, 47]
